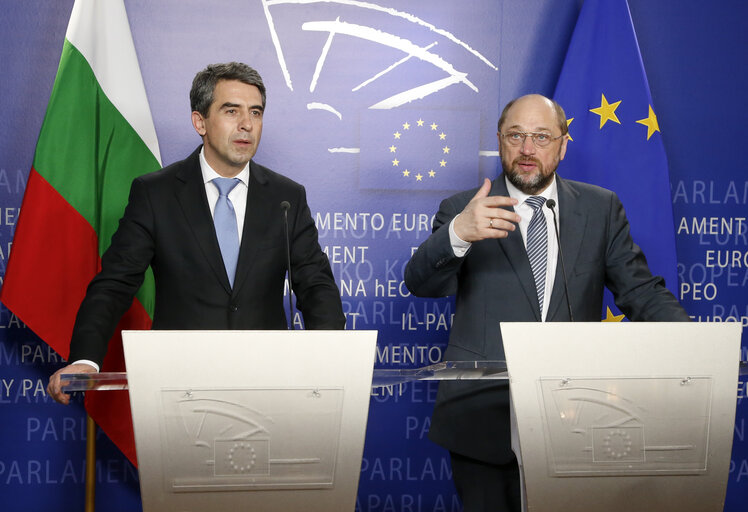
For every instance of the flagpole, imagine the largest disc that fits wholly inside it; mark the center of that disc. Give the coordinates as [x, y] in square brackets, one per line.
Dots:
[90, 503]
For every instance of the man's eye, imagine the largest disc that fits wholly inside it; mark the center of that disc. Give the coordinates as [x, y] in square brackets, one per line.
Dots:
[541, 137]
[515, 135]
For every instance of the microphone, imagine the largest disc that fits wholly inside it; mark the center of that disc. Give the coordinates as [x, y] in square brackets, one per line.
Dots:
[551, 204]
[285, 205]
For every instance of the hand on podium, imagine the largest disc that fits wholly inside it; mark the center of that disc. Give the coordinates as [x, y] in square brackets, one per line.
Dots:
[54, 388]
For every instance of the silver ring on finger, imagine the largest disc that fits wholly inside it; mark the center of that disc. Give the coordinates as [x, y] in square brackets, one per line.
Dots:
[490, 223]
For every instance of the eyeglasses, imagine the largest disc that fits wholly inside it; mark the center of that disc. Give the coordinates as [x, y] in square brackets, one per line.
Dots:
[540, 139]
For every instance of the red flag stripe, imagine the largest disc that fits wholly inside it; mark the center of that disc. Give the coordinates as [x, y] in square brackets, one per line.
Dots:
[44, 287]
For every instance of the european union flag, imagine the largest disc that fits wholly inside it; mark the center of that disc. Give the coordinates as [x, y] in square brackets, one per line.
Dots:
[419, 150]
[615, 138]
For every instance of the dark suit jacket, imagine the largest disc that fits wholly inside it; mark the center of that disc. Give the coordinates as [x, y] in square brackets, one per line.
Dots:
[494, 284]
[167, 224]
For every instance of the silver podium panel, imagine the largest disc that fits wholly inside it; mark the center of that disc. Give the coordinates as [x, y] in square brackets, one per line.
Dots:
[626, 426]
[623, 417]
[250, 439]
[249, 420]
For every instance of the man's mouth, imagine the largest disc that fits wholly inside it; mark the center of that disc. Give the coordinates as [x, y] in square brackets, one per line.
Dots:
[527, 165]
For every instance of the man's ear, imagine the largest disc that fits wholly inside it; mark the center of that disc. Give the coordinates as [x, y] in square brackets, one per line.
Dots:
[562, 152]
[198, 122]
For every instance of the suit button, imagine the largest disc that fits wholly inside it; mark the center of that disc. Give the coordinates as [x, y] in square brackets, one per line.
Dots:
[234, 308]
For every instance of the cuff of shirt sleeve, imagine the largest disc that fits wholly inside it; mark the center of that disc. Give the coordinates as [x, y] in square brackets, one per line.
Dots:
[89, 363]
[459, 246]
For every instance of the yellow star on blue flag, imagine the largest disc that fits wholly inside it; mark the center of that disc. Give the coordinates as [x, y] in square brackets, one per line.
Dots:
[606, 111]
[650, 122]
[610, 317]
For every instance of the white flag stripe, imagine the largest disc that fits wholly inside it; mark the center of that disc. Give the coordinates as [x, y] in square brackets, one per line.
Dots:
[99, 30]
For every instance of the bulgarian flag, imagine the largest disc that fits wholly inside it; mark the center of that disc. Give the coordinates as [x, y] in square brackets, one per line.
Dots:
[97, 136]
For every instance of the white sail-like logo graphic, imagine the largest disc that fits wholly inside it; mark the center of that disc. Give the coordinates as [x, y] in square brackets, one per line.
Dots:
[340, 31]
[357, 74]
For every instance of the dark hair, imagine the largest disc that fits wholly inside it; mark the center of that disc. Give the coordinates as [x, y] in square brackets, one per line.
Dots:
[204, 84]
[560, 115]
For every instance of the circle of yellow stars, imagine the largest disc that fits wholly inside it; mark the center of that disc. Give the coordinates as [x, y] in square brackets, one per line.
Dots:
[607, 112]
[417, 174]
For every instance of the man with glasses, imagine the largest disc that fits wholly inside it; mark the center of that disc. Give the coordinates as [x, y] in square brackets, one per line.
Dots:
[500, 273]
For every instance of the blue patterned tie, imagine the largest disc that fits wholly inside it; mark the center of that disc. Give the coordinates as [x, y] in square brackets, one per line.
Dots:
[224, 219]
[537, 245]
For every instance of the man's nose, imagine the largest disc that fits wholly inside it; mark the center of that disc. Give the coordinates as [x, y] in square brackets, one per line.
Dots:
[245, 122]
[528, 146]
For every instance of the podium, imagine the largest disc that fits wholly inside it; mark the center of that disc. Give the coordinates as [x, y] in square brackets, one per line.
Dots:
[614, 417]
[249, 420]
[624, 417]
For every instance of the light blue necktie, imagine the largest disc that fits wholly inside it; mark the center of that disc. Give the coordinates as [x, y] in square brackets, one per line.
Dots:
[224, 219]
[537, 245]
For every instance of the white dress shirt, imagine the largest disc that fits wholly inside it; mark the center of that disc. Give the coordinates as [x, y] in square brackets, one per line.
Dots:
[237, 196]
[525, 211]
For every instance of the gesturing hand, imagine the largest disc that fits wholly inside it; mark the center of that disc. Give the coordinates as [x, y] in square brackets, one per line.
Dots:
[484, 217]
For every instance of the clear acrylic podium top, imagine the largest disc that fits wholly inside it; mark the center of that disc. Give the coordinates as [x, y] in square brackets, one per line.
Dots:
[447, 370]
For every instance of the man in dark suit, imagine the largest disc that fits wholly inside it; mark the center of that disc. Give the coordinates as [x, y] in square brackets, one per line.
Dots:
[169, 225]
[499, 275]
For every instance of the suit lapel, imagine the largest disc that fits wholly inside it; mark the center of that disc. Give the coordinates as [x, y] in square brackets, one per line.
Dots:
[514, 248]
[191, 197]
[573, 221]
[256, 219]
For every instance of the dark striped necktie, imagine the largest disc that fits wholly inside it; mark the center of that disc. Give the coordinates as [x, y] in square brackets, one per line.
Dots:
[537, 245]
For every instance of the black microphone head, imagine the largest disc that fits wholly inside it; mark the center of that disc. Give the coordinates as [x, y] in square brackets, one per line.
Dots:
[285, 205]
[550, 204]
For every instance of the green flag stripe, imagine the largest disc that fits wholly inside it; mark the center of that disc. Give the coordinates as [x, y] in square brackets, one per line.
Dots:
[77, 153]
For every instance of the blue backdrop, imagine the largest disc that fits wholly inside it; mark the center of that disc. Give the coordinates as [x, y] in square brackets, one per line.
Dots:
[320, 130]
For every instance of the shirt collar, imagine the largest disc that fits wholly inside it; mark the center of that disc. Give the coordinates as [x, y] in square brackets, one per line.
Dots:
[209, 174]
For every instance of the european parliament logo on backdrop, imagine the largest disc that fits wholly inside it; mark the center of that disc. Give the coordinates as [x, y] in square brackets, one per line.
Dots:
[339, 58]
[419, 150]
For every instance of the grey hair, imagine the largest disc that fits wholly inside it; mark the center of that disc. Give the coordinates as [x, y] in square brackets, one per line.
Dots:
[204, 84]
